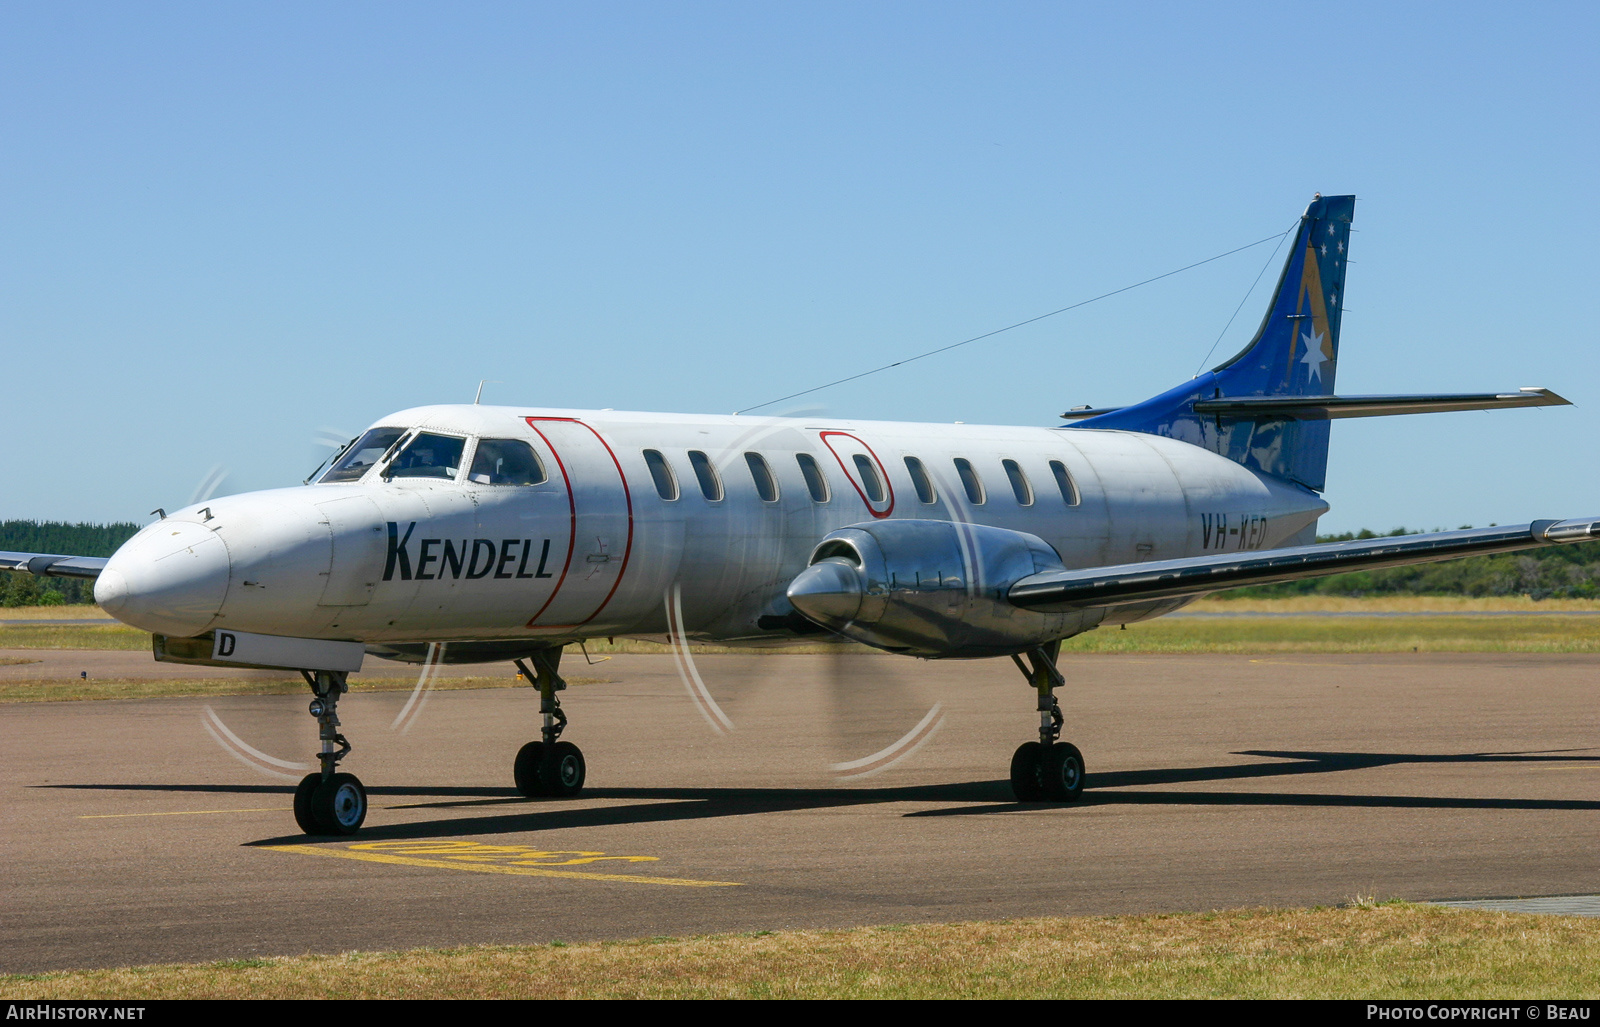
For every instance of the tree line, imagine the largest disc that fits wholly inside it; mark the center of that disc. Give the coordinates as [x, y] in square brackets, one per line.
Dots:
[1549, 572]
[56, 537]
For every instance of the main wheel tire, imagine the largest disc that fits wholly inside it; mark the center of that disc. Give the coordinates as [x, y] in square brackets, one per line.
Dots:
[562, 772]
[1061, 772]
[526, 770]
[339, 805]
[1026, 783]
[302, 803]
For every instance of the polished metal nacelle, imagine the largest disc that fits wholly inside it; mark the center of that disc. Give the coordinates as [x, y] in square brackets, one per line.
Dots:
[935, 589]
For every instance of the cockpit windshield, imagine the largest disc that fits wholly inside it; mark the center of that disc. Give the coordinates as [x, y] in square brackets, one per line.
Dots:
[428, 456]
[505, 462]
[362, 454]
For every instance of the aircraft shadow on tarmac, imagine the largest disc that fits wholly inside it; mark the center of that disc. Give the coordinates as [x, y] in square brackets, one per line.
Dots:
[1113, 788]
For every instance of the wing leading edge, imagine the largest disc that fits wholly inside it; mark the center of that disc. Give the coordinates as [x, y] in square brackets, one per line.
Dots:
[49, 565]
[1164, 579]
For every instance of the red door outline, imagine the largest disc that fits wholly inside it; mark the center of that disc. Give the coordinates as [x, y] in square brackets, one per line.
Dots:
[851, 478]
[572, 507]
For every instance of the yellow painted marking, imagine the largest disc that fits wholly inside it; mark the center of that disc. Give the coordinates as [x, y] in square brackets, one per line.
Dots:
[185, 813]
[524, 868]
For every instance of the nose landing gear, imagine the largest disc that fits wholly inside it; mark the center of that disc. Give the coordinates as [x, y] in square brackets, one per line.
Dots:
[549, 768]
[328, 802]
[1048, 770]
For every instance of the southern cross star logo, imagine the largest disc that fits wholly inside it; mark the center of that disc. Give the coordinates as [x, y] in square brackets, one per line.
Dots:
[1314, 358]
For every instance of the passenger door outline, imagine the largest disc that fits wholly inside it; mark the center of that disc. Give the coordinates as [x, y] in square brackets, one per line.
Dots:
[852, 475]
[572, 506]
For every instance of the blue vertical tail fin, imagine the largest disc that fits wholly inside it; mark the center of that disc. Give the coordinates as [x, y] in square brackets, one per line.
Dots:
[1294, 353]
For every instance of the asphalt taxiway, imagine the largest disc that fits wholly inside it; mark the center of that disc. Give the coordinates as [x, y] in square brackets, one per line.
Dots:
[140, 831]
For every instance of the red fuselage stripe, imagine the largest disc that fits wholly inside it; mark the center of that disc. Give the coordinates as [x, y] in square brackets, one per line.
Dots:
[627, 495]
[572, 507]
[852, 478]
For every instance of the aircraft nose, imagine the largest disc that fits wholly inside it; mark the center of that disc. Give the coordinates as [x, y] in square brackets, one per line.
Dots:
[170, 579]
[828, 592]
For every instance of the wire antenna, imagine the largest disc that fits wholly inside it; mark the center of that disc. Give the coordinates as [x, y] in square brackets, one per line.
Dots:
[1019, 324]
[1247, 294]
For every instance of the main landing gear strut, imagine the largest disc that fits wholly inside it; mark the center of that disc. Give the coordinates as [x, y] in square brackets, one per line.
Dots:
[549, 768]
[1049, 769]
[328, 802]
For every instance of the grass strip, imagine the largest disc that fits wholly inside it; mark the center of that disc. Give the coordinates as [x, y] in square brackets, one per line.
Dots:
[1388, 950]
[69, 689]
[1344, 634]
[1350, 634]
[44, 635]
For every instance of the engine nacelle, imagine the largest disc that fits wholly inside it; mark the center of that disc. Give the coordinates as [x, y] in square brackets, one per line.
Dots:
[934, 589]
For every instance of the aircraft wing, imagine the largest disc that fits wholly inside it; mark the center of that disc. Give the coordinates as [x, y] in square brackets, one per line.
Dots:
[1163, 579]
[46, 564]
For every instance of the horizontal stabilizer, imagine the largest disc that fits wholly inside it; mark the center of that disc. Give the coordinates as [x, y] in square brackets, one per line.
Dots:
[1327, 408]
[44, 564]
[1165, 579]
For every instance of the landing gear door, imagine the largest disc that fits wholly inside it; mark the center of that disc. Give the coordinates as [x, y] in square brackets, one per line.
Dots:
[601, 507]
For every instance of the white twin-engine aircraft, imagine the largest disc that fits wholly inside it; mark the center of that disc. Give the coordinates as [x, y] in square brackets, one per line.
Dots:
[509, 532]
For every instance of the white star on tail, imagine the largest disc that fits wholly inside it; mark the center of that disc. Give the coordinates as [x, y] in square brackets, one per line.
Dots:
[1314, 358]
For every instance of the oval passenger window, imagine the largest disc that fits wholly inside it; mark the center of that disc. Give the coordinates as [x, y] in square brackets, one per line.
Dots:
[869, 478]
[816, 481]
[970, 480]
[1068, 487]
[661, 474]
[919, 478]
[1019, 482]
[761, 474]
[710, 484]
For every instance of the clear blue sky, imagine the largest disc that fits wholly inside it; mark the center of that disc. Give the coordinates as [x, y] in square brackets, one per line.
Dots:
[228, 227]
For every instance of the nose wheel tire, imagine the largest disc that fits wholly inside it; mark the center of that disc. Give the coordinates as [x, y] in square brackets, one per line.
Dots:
[1025, 779]
[1051, 773]
[526, 769]
[562, 772]
[302, 804]
[550, 771]
[1061, 772]
[333, 807]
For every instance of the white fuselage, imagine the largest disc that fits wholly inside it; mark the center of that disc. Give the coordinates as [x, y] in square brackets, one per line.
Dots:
[598, 546]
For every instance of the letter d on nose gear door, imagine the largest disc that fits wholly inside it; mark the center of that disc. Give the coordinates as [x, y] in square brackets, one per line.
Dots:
[590, 562]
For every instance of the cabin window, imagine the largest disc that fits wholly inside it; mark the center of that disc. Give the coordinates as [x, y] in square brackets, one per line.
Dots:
[505, 462]
[1068, 487]
[710, 484]
[869, 478]
[363, 453]
[920, 479]
[428, 456]
[661, 474]
[761, 474]
[1019, 482]
[816, 481]
[970, 480]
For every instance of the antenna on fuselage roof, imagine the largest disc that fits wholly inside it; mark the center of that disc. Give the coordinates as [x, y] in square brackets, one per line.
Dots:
[481, 384]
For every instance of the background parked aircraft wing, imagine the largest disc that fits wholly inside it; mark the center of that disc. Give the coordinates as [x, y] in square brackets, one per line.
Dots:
[46, 564]
[1139, 582]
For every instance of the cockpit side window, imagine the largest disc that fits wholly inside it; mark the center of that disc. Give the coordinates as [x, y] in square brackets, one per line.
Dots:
[362, 454]
[505, 462]
[428, 456]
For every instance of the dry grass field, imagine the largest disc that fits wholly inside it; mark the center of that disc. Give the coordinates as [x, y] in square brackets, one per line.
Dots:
[1389, 950]
[1314, 624]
